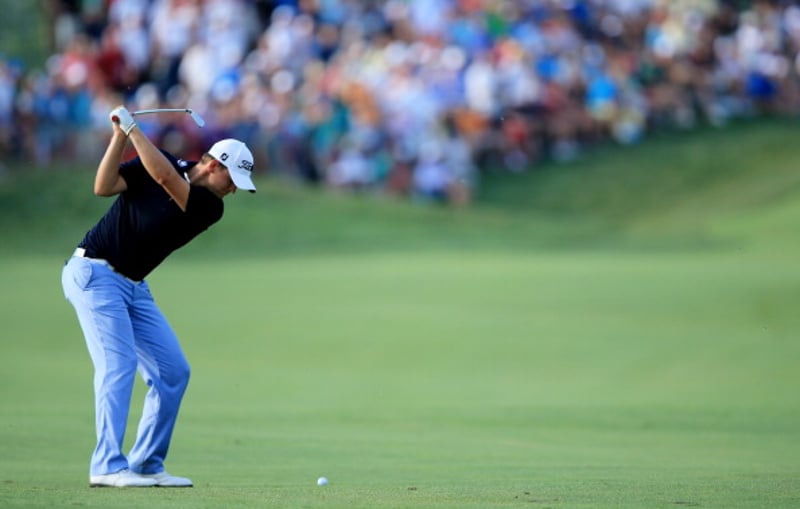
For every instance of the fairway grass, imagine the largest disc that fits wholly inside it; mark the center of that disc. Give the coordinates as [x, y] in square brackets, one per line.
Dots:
[434, 379]
[619, 332]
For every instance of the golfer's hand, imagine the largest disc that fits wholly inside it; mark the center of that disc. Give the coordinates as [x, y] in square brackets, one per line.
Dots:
[123, 118]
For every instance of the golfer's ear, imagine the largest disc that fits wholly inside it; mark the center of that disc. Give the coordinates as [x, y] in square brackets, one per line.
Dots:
[212, 165]
[209, 162]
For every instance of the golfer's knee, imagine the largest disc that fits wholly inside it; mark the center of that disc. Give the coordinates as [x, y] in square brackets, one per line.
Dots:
[171, 377]
[179, 375]
[186, 374]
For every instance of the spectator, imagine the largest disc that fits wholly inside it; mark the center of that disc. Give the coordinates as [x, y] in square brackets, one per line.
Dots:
[8, 90]
[351, 94]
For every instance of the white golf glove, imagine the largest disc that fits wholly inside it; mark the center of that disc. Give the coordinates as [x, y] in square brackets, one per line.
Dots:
[121, 116]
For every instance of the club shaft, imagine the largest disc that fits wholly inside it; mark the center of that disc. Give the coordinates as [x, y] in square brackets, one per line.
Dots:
[197, 118]
[162, 110]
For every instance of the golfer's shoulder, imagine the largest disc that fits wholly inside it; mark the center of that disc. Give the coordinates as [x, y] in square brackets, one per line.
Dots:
[174, 160]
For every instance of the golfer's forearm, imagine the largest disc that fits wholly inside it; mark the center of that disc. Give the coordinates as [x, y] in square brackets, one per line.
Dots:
[107, 180]
[160, 168]
[156, 164]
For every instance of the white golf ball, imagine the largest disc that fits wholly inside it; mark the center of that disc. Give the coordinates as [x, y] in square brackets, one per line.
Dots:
[322, 481]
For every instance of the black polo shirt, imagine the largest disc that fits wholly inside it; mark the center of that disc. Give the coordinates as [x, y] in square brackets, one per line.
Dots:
[144, 225]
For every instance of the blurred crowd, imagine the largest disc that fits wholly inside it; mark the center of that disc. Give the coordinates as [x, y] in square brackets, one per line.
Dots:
[413, 98]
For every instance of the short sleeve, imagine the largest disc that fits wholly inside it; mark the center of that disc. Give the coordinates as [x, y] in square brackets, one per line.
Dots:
[135, 174]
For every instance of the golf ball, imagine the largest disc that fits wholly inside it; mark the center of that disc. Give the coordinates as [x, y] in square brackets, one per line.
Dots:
[322, 481]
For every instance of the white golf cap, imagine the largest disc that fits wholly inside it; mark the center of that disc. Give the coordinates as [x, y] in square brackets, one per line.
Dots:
[238, 159]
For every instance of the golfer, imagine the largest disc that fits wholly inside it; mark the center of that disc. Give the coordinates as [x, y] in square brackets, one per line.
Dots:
[162, 203]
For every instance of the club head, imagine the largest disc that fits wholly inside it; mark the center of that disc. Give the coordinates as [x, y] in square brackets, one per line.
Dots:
[197, 118]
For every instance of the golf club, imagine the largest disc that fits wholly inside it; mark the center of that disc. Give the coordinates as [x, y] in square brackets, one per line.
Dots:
[196, 117]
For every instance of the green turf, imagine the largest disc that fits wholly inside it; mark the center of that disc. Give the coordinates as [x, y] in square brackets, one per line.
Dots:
[532, 355]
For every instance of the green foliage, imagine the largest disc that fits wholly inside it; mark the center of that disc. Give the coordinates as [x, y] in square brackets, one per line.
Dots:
[616, 345]
[24, 34]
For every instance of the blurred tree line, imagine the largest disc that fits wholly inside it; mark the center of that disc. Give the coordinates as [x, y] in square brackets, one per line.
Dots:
[25, 31]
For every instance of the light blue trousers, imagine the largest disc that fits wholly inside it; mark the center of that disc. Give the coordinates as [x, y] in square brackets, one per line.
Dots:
[125, 331]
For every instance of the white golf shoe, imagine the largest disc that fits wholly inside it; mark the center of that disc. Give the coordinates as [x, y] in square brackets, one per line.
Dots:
[165, 480]
[122, 479]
